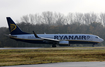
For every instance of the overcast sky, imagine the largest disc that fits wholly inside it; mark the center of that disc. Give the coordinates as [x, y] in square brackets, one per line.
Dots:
[18, 8]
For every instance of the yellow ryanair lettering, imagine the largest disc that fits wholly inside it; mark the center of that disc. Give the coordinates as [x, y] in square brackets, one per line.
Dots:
[12, 27]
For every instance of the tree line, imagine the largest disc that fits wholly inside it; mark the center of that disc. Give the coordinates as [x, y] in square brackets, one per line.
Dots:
[56, 23]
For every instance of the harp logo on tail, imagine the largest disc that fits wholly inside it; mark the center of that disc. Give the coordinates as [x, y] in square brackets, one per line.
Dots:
[12, 27]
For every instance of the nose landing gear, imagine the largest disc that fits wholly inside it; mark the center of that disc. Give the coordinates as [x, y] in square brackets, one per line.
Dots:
[93, 45]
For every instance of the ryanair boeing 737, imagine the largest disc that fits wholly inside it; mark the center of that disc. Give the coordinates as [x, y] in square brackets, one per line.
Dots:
[61, 39]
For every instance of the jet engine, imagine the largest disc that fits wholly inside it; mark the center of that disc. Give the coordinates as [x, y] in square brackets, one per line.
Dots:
[64, 43]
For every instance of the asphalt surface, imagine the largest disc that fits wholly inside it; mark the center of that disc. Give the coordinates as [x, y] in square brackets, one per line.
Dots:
[84, 48]
[22, 48]
[66, 64]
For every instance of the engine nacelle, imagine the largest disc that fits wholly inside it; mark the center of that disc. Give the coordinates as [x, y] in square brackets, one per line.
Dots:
[64, 43]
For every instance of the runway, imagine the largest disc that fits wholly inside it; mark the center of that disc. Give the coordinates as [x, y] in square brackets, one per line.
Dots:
[66, 64]
[21, 48]
[57, 48]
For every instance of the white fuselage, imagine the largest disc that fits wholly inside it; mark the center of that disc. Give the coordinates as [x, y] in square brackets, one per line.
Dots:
[71, 38]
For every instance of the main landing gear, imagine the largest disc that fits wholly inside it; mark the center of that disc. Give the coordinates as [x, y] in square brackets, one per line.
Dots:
[54, 45]
[93, 45]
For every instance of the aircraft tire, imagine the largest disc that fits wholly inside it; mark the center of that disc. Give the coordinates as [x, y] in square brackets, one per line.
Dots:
[93, 45]
[54, 45]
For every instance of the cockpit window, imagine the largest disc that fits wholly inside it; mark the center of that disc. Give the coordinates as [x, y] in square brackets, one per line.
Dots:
[97, 37]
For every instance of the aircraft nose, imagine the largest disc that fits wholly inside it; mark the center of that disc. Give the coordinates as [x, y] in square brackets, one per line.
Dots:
[102, 40]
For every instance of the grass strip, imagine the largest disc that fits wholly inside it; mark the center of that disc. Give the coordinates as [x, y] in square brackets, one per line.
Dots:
[39, 56]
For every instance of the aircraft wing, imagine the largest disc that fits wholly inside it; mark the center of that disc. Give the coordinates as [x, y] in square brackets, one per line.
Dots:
[47, 39]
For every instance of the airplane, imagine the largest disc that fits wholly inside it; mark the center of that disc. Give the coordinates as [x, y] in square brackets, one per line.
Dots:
[54, 39]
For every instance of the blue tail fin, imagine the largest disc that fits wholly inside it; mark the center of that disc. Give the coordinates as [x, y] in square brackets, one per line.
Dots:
[13, 28]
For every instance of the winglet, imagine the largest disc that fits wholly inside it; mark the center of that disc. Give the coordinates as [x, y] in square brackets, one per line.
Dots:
[35, 35]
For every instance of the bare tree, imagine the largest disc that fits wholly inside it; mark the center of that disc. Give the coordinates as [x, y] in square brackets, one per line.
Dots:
[102, 18]
[25, 19]
[70, 18]
[48, 17]
[59, 19]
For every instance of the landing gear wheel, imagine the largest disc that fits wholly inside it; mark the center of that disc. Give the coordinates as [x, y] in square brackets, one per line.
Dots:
[93, 45]
[54, 45]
